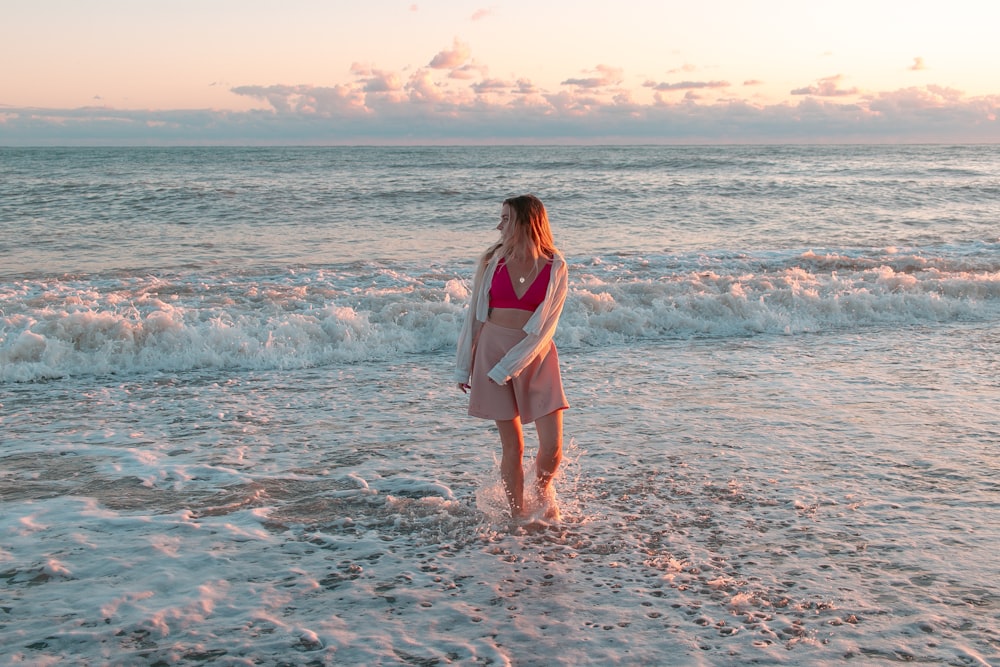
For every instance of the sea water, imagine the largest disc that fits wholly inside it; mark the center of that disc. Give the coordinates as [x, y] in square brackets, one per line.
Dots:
[228, 433]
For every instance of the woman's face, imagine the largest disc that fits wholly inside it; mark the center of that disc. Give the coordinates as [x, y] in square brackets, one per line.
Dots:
[504, 220]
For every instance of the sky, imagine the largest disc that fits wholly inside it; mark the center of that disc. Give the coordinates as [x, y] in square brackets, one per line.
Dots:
[343, 72]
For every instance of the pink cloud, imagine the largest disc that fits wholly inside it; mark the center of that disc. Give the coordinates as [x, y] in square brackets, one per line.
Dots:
[491, 85]
[568, 103]
[421, 88]
[908, 100]
[375, 80]
[525, 87]
[482, 14]
[686, 85]
[918, 64]
[826, 87]
[469, 71]
[607, 76]
[450, 59]
[432, 112]
[455, 99]
[592, 105]
[307, 99]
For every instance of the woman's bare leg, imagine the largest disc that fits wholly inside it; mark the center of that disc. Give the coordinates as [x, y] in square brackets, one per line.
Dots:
[511, 471]
[549, 430]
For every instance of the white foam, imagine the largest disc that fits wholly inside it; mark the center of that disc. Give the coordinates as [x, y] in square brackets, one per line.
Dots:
[753, 500]
[304, 319]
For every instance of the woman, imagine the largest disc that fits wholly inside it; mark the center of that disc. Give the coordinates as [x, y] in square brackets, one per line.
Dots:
[506, 358]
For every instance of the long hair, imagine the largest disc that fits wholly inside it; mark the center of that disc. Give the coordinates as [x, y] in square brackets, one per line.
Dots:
[528, 234]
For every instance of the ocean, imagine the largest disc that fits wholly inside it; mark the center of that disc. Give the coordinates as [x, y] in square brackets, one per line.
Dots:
[229, 435]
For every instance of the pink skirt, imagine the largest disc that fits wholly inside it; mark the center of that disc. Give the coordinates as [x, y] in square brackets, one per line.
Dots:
[535, 392]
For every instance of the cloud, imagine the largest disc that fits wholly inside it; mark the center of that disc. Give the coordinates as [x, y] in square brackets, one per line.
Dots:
[491, 85]
[526, 87]
[456, 101]
[918, 65]
[450, 59]
[916, 100]
[481, 14]
[420, 89]
[753, 82]
[606, 76]
[291, 100]
[375, 80]
[468, 71]
[430, 112]
[827, 87]
[686, 85]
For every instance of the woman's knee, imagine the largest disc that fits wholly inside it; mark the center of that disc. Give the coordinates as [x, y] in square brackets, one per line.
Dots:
[511, 435]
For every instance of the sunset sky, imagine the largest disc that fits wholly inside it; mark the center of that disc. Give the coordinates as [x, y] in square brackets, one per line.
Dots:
[504, 71]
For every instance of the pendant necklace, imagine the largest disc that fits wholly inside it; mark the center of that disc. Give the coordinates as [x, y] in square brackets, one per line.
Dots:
[534, 267]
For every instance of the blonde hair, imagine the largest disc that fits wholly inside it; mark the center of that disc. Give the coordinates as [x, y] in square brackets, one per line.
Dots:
[528, 234]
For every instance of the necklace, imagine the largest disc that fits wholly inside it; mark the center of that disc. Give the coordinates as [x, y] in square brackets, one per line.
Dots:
[534, 267]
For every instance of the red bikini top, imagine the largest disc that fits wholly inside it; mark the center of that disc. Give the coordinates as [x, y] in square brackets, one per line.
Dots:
[502, 293]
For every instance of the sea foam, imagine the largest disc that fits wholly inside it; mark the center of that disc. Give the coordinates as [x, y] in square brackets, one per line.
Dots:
[307, 318]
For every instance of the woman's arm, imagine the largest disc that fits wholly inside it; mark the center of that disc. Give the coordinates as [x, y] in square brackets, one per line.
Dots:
[470, 327]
